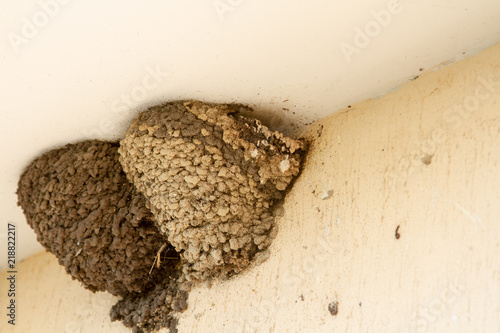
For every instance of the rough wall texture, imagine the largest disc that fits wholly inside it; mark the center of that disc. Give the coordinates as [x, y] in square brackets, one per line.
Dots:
[392, 226]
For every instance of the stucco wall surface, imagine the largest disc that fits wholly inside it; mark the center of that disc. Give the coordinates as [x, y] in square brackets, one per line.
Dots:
[392, 226]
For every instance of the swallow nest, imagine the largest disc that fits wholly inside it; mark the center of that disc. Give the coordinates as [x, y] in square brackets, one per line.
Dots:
[210, 177]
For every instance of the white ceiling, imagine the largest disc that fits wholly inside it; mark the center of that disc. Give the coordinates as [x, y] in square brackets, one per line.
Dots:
[65, 68]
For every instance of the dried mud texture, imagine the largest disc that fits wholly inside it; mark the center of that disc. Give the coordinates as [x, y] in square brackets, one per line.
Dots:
[84, 210]
[153, 310]
[211, 177]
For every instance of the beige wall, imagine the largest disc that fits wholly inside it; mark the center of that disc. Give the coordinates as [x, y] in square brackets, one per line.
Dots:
[424, 158]
[50, 301]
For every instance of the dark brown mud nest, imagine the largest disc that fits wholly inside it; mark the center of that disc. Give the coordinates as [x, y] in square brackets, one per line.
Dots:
[83, 210]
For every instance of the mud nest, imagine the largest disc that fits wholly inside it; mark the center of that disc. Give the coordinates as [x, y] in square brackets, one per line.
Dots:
[153, 310]
[191, 183]
[210, 177]
[83, 210]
